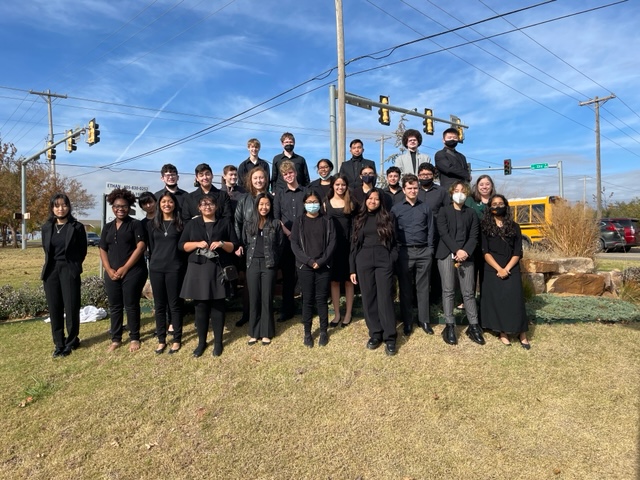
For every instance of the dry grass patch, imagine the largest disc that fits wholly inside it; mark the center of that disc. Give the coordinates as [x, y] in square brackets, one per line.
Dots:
[284, 411]
[573, 231]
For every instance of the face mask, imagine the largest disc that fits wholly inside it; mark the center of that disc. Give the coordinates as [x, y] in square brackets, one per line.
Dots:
[325, 177]
[426, 183]
[499, 211]
[288, 148]
[459, 198]
[451, 143]
[369, 179]
[312, 207]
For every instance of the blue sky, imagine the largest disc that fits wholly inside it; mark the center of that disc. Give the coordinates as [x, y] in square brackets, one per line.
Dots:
[155, 72]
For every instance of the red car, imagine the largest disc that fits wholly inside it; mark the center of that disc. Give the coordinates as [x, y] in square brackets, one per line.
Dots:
[631, 230]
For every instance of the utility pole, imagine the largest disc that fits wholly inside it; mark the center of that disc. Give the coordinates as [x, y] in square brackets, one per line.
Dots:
[342, 121]
[47, 98]
[596, 102]
[383, 138]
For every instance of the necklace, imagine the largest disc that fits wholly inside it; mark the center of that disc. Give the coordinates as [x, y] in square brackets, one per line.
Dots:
[58, 230]
[165, 226]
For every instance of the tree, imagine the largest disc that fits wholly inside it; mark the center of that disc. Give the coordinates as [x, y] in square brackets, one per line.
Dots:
[624, 209]
[41, 186]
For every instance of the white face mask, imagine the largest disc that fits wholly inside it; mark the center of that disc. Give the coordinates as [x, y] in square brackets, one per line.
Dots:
[459, 198]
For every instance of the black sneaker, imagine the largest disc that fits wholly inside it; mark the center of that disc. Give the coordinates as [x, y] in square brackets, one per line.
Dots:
[324, 339]
[308, 340]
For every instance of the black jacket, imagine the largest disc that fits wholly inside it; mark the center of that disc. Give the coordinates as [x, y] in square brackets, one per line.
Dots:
[195, 231]
[446, 222]
[351, 170]
[298, 244]
[356, 246]
[75, 246]
[273, 241]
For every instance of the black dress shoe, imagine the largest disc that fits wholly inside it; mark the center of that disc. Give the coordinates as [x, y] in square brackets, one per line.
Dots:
[449, 334]
[323, 340]
[427, 328]
[308, 340]
[334, 324]
[75, 345]
[373, 343]
[217, 349]
[242, 321]
[475, 334]
[407, 330]
[160, 350]
[390, 349]
[526, 346]
[199, 351]
[60, 352]
[172, 350]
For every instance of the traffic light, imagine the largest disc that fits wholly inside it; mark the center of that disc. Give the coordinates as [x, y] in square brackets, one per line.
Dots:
[507, 167]
[428, 122]
[457, 121]
[384, 119]
[71, 142]
[51, 153]
[93, 135]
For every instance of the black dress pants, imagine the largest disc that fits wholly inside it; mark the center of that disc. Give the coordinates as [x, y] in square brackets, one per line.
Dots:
[124, 295]
[374, 270]
[315, 286]
[209, 310]
[261, 283]
[62, 290]
[166, 288]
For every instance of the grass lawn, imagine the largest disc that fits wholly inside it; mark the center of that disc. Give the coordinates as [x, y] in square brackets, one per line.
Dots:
[568, 408]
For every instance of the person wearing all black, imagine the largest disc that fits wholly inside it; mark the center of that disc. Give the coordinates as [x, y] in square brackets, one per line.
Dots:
[122, 254]
[414, 233]
[352, 168]
[253, 145]
[300, 164]
[313, 241]
[369, 178]
[393, 188]
[64, 241]
[257, 181]
[288, 206]
[458, 228]
[373, 253]
[167, 266]
[169, 175]
[323, 184]
[263, 239]
[210, 242]
[451, 164]
[230, 184]
[204, 184]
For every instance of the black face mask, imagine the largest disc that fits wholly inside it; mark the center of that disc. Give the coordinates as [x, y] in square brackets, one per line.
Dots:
[427, 182]
[499, 211]
[369, 179]
[288, 148]
[451, 143]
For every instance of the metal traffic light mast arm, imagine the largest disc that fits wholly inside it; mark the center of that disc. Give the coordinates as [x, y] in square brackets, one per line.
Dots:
[367, 103]
[23, 179]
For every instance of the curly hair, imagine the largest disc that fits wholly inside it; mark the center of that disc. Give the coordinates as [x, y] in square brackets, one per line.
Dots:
[122, 193]
[177, 217]
[383, 220]
[490, 227]
[411, 133]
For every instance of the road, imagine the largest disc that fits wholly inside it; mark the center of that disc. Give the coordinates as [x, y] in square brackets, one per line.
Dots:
[632, 255]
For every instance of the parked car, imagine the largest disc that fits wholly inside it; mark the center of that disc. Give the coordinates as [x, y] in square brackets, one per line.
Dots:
[93, 239]
[631, 230]
[611, 236]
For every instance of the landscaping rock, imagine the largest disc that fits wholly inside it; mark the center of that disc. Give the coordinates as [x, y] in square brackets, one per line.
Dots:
[578, 284]
[538, 266]
[536, 280]
[577, 265]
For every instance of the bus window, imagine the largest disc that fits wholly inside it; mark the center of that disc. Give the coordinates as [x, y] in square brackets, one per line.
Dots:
[537, 212]
[523, 215]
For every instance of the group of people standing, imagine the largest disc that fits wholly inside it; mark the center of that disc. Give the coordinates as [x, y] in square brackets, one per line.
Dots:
[326, 236]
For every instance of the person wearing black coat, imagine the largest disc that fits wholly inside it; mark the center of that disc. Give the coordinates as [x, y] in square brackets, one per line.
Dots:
[64, 241]
[352, 168]
[204, 184]
[458, 229]
[313, 240]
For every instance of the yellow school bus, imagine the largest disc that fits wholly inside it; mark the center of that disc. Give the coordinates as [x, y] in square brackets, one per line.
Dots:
[531, 214]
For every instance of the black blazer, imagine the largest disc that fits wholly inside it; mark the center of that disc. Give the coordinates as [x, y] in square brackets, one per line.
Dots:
[446, 222]
[348, 169]
[75, 246]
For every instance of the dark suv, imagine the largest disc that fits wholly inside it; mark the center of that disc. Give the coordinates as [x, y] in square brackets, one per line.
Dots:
[631, 230]
[93, 239]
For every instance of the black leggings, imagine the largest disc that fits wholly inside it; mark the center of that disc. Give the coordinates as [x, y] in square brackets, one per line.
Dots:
[166, 297]
[205, 310]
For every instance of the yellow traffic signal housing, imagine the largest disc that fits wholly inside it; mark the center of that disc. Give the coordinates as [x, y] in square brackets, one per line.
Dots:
[93, 134]
[385, 118]
[428, 122]
[71, 142]
[51, 153]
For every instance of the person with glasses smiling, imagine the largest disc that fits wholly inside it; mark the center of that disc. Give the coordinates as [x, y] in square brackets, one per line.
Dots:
[122, 247]
[411, 159]
[323, 184]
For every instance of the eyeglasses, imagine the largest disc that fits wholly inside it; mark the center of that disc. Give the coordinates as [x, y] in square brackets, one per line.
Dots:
[206, 204]
[497, 205]
[170, 175]
[120, 207]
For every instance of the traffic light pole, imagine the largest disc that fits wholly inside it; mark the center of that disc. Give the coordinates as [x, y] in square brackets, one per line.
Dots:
[558, 166]
[47, 96]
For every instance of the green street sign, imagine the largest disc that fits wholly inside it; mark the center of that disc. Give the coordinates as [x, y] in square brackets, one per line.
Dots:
[539, 166]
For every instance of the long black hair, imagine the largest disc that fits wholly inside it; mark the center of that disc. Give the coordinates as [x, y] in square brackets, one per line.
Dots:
[65, 198]
[383, 219]
[177, 217]
[488, 223]
[254, 222]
